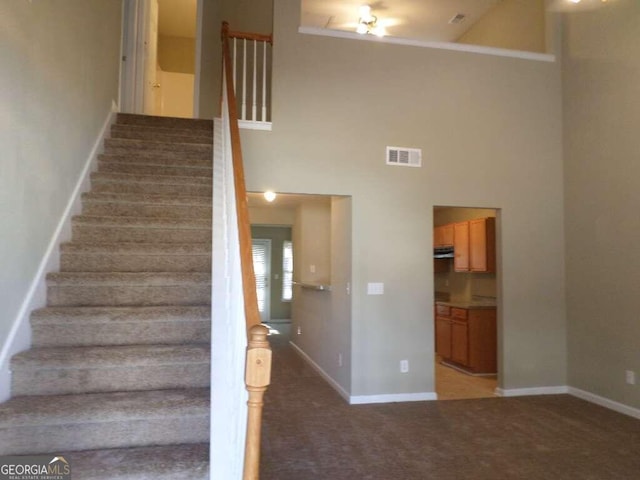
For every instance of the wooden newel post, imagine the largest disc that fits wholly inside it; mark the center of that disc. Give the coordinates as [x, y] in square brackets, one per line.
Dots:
[257, 379]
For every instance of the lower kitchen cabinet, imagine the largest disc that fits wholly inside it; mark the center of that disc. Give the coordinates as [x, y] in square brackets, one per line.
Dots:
[467, 337]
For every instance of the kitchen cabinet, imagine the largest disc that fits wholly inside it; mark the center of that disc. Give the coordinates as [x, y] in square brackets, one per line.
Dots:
[482, 245]
[467, 337]
[443, 236]
[461, 246]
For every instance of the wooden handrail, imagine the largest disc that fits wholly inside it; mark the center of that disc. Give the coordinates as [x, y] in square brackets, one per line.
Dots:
[258, 355]
[260, 37]
[244, 227]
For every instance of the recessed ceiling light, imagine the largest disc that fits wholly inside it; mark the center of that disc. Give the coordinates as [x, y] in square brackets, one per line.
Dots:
[269, 196]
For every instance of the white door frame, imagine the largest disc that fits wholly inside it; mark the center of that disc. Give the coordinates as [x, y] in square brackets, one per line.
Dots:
[134, 14]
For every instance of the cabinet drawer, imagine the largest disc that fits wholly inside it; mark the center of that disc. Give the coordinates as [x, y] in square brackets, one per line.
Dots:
[443, 310]
[459, 313]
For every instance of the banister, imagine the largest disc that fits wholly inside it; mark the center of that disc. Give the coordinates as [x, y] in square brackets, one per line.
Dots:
[260, 37]
[258, 354]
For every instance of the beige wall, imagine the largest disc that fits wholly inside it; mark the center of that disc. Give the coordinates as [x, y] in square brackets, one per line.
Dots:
[321, 320]
[602, 172]
[512, 24]
[177, 54]
[210, 80]
[272, 216]
[490, 129]
[60, 65]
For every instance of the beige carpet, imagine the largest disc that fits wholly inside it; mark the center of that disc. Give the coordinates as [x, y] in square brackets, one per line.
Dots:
[309, 432]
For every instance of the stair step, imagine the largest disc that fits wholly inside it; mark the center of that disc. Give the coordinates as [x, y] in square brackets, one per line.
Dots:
[159, 134]
[157, 160]
[128, 289]
[87, 326]
[132, 147]
[165, 122]
[87, 228]
[70, 370]
[145, 205]
[170, 462]
[135, 257]
[54, 423]
[104, 182]
[142, 169]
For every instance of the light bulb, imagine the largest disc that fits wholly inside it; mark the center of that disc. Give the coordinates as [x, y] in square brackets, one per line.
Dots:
[365, 13]
[362, 29]
[269, 196]
[574, 1]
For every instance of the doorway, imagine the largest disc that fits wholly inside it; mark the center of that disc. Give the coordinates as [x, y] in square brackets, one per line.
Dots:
[159, 57]
[466, 272]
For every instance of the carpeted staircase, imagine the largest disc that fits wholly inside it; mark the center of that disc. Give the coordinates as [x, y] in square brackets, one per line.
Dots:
[117, 379]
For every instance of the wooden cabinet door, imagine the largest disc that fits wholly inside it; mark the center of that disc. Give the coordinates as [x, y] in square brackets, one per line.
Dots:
[446, 234]
[460, 342]
[482, 245]
[443, 235]
[443, 337]
[461, 246]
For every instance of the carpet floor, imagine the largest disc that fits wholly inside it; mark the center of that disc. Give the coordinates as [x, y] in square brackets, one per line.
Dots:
[309, 432]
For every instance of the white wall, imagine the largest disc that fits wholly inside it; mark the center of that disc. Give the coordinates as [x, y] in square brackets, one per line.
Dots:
[602, 181]
[491, 132]
[60, 66]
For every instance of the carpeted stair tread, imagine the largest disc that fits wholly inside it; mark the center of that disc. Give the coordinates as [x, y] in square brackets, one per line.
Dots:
[133, 145]
[143, 222]
[202, 163]
[128, 279]
[107, 228]
[148, 198]
[142, 169]
[152, 179]
[103, 407]
[150, 249]
[72, 370]
[111, 356]
[167, 462]
[100, 326]
[89, 421]
[157, 129]
[166, 122]
[88, 315]
[159, 134]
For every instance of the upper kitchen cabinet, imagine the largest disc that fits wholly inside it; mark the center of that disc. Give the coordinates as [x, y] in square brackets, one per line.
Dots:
[461, 246]
[482, 245]
[443, 236]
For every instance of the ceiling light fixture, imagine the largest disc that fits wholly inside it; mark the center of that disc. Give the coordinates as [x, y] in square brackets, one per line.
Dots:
[269, 196]
[368, 23]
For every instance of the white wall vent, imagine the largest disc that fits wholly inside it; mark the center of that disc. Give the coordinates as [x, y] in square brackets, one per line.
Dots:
[405, 157]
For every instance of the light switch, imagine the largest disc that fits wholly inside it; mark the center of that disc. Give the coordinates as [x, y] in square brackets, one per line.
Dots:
[312, 268]
[375, 288]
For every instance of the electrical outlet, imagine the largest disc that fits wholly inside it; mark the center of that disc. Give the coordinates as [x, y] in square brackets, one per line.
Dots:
[299, 330]
[631, 377]
[404, 366]
[339, 359]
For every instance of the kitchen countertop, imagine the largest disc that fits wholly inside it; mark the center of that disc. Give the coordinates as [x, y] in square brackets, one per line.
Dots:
[476, 302]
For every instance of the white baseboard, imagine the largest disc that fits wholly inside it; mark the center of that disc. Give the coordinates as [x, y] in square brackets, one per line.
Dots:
[605, 402]
[362, 399]
[520, 392]
[336, 386]
[393, 397]
[19, 337]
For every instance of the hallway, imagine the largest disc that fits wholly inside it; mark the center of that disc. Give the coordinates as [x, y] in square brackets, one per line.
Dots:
[310, 432]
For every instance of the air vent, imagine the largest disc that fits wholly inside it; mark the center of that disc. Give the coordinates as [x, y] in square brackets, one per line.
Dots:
[458, 18]
[405, 157]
